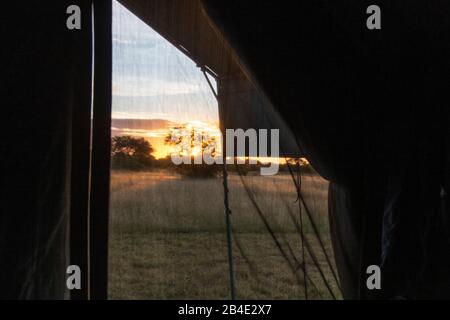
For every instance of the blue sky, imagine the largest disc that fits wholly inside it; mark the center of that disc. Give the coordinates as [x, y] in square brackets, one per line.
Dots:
[152, 79]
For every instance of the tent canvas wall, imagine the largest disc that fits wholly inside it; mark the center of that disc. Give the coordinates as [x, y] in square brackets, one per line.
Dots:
[368, 108]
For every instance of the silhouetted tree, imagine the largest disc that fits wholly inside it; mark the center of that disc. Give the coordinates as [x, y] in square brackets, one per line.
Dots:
[131, 153]
[185, 141]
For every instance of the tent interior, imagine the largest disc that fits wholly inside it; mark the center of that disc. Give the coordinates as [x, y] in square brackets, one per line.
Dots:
[367, 109]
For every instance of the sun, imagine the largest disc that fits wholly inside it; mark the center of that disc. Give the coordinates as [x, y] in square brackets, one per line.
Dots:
[196, 151]
[194, 138]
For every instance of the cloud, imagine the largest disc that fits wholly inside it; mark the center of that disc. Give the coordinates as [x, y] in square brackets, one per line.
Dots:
[153, 79]
[140, 124]
[150, 87]
[158, 133]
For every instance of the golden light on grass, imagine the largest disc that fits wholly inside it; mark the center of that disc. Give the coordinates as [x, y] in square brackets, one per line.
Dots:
[181, 221]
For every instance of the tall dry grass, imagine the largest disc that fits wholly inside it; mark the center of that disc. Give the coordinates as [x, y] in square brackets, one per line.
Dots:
[165, 202]
[168, 237]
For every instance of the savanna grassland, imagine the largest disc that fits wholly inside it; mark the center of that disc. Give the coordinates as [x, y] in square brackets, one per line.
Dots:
[168, 239]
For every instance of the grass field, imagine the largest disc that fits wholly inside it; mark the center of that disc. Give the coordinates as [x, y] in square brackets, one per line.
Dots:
[168, 238]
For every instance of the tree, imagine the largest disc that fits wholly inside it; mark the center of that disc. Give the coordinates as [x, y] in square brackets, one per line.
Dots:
[131, 153]
[193, 142]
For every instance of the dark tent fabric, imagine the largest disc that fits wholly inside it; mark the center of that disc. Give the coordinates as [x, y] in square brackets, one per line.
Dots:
[370, 110]
[46, 109]
[48, 187]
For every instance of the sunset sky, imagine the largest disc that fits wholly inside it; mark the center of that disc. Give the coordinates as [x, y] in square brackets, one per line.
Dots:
[154, 80]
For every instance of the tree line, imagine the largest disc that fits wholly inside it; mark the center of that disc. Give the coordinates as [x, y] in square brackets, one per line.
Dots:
[136, 154]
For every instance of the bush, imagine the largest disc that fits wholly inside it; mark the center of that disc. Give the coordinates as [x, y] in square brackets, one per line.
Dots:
[131, 153]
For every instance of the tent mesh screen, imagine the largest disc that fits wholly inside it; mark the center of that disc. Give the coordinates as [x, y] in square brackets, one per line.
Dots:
[168, 232]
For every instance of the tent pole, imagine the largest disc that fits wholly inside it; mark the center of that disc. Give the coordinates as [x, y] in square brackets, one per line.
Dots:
[226, 204]
[229, 235]
[101, 150]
